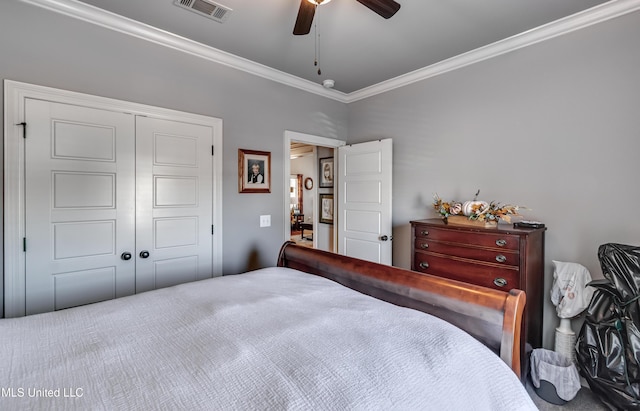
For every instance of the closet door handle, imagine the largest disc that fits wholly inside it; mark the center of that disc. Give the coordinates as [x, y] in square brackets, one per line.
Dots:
[126, 256]
[144, 254]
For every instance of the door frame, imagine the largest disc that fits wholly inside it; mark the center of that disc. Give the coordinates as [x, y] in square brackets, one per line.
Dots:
[290, 136]
[15, 94]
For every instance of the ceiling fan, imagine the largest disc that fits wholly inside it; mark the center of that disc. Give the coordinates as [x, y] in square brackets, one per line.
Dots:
[385, 8]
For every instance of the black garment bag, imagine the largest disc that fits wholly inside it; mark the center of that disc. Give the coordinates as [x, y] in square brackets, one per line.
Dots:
[608, 345]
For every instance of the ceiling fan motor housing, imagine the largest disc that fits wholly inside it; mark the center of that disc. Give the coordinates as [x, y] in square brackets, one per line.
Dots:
[384, 8]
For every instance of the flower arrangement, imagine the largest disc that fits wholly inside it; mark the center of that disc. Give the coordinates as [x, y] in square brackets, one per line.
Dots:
[445, 209]
[476, 210]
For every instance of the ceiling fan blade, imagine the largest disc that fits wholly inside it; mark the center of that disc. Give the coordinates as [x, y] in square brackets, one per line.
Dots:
[385, 8]
[305, 18]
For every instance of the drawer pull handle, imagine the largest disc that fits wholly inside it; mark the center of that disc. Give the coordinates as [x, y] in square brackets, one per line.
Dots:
[424, 265]
[501, 242]
[500, 258]
[424, 245]
[424, 232]
[500, 282]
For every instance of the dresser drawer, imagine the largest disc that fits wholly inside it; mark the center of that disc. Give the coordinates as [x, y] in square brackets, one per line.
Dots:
[498, 256]
[489, 239]
[487, 275]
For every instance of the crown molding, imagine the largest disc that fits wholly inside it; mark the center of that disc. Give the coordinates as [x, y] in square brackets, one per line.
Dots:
[121, 24]
[586, 18]
[112, 21]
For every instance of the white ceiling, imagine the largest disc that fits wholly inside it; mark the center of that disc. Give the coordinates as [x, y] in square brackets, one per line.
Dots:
[357, 48]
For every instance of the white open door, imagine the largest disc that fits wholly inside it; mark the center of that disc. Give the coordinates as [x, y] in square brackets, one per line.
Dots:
[364, 200]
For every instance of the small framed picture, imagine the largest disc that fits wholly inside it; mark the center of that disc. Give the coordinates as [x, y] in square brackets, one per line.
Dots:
[254, 171]
[326, 208]
[326, 172]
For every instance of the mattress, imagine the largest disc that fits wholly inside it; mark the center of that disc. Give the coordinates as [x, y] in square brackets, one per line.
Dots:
[274, 338]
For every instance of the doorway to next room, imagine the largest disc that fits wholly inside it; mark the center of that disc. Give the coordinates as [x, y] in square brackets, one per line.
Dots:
[307, 227]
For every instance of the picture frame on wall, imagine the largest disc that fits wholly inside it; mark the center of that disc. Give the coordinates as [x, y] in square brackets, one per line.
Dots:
[325, 171]
[254, 171]
[326, 208]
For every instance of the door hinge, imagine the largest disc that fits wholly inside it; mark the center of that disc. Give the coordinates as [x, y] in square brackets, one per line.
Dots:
[211, 229]
[24, 129]
[24, 244]
[212, 150]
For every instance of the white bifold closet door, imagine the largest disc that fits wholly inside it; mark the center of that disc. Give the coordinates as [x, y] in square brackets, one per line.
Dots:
[115, 204]
[173, 203]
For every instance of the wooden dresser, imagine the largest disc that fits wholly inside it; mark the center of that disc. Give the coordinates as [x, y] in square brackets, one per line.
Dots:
[501, 258]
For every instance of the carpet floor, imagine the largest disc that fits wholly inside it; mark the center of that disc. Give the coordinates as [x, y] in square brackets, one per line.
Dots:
[585, 400]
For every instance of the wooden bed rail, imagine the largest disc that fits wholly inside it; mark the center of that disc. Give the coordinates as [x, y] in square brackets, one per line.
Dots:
[493, 317]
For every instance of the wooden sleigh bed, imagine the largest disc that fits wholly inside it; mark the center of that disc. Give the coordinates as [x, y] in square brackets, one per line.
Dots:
[275, 338]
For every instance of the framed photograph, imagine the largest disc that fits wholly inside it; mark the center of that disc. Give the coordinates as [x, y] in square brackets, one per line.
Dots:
[254, 171]
[326, 208]
[326, 172]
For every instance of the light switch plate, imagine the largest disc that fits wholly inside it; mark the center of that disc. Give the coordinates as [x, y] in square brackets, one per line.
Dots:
[265, 221]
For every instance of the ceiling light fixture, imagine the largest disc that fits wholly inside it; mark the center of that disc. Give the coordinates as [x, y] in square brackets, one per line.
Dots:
[318, 2]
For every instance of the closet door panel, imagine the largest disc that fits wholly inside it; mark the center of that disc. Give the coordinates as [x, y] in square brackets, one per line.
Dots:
[174, 183]
[79, 195]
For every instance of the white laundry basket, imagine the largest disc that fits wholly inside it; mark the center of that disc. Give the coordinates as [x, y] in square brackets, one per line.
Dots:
[554, 376]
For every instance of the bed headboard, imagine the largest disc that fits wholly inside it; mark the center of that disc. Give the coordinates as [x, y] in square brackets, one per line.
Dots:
[493, 317]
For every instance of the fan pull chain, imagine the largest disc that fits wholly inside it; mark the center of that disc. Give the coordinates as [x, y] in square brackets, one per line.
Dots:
[317, 42]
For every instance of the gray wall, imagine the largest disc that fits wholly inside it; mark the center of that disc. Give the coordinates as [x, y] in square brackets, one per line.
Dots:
[49, 49]
[554, 126]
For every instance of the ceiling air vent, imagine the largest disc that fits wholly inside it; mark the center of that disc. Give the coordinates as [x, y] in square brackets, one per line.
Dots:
[214, 11]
